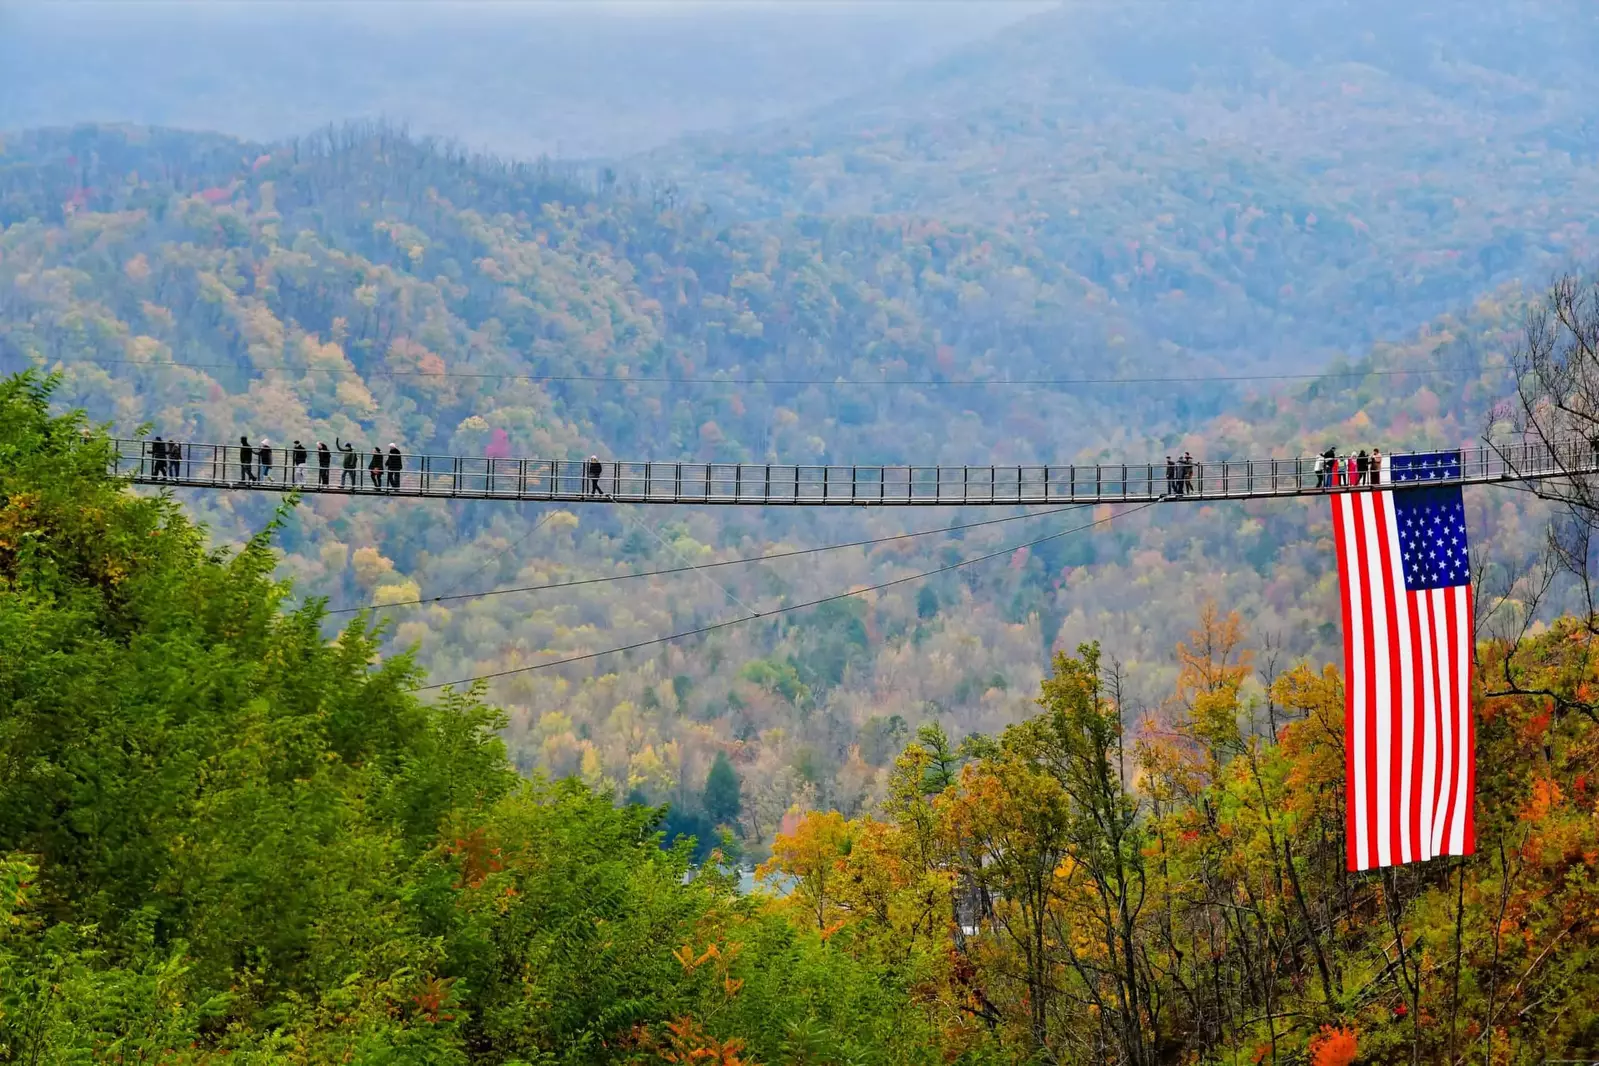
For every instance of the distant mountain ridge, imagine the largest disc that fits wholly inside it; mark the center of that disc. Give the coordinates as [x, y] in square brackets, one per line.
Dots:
[1268, 182]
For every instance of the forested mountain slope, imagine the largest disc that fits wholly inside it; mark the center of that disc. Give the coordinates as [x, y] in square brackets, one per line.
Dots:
[1265, 180]
[226, 837]
[370, 288]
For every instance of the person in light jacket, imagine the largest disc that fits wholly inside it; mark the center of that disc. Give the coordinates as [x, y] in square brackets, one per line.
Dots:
[265, 454]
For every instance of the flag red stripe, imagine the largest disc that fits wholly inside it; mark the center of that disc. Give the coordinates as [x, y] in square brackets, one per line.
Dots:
[1469, 844]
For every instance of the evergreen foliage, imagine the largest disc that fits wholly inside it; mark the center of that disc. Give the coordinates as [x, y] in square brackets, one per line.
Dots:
[723, 803]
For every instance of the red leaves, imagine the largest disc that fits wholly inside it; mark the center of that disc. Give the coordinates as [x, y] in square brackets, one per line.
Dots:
[1333, 1046]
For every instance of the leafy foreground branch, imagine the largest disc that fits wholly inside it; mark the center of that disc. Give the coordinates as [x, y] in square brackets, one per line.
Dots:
[224, 836]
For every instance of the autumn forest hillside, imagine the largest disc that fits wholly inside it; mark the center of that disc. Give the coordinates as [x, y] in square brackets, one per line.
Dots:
[354, 779]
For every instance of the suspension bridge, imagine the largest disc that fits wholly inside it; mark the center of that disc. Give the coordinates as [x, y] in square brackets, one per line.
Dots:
[220, 466]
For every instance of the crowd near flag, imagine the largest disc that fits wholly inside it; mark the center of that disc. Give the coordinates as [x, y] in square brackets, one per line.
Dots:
[1405, 579]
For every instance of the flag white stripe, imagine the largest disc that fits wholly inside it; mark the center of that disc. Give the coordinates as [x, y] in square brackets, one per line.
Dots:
[1406, 696]
[1422, 602]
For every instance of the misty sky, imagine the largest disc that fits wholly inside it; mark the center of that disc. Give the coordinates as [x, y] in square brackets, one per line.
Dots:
[568, 79]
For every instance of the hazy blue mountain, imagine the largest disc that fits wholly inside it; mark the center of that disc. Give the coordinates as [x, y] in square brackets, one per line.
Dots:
[564, 79]
[1258, 179]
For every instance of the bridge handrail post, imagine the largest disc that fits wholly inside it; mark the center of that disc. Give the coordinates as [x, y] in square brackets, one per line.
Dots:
[1046, 482]
[853, 473]
[1071, 472]
[738, 482]
[766, 494]
[1274, 484]
[707, 481]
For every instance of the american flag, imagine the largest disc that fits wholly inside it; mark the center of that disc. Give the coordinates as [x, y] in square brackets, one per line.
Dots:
[1405, 579]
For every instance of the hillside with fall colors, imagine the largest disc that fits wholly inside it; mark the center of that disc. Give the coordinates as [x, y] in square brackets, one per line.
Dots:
[226, 837]
[362, 286]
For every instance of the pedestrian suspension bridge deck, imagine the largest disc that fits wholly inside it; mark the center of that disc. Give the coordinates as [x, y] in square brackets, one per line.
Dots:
[217, 466]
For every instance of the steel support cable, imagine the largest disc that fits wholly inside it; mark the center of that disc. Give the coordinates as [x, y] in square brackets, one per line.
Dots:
[646, 379]
[711, 565]
[713, 627]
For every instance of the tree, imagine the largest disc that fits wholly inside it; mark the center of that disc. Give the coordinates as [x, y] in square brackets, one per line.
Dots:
[722, 799]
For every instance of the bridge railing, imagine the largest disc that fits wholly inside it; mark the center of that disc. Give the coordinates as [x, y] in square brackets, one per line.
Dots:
[216, 465]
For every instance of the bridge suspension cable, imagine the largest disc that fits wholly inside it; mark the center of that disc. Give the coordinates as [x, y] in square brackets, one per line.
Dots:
[787, 609]
[768, 557]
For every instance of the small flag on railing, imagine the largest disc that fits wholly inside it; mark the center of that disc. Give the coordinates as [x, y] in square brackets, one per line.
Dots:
[1405, 578]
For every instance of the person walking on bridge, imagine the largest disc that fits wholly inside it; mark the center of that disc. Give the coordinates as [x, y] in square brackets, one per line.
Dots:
[350, 461]
[265, 454]
[396, 464]
[158, 450]
[297, 457]
[174, 459]
[1171, 477]
[595, 468]
[1187, 488]
[246, 460]
[1374, 468]
[324, 458]
[374, 468]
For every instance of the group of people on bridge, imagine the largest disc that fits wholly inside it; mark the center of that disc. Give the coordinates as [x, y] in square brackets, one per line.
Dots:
[383, 469]
[1333, 470]
[256, 463]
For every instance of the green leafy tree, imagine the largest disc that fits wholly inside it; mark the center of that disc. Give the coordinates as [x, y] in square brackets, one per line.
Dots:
[722, 795]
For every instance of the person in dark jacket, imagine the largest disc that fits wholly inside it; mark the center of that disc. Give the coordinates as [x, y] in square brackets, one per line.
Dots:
[323, 459]
[396, 464]
[1187, 474]
[174, 459]
[265, 454]
[374, 468]
[350, 461]
[246, 460]
[297, 457]
[158, 450]
[594, 470]
[1171, 477]
[1362, 465]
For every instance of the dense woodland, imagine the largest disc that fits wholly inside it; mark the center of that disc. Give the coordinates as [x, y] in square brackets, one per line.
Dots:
[1078, 803]
[337, 288]
[226, 835]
